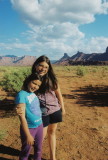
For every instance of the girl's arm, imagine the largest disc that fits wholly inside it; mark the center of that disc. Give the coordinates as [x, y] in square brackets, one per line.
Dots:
[60, 99]
[29, 138]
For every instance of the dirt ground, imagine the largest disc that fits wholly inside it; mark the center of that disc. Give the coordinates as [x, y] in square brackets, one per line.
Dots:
[83, 134]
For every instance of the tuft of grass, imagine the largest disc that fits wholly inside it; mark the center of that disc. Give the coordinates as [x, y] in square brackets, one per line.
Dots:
[81, 71]
[3, 134]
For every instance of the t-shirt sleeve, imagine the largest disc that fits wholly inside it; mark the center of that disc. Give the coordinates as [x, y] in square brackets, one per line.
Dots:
[20, 98]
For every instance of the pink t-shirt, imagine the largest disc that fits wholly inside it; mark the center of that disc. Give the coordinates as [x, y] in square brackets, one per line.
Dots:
[49, 103]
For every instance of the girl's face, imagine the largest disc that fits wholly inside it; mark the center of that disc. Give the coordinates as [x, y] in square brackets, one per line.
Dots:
[34, 85]
[42, 68]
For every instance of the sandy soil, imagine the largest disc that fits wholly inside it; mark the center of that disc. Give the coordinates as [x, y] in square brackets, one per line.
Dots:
[83, 134]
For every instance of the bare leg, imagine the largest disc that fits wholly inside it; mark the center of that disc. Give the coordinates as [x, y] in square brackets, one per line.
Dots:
[52, 140]
[45, 132]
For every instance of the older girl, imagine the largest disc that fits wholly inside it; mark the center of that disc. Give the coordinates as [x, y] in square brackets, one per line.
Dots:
[51, 101]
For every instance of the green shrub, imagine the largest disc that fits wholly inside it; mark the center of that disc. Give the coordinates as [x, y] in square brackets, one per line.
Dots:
[3, 134]
[13, 81]
[80, 71]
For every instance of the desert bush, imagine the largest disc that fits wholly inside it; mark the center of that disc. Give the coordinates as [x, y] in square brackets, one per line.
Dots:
[94, 70]
[13, 81]
[3, 134]
[81, 71]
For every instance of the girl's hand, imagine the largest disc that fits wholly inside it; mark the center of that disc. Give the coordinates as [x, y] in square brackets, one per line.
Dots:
[63, 112]
[30, 140]
[19, 110]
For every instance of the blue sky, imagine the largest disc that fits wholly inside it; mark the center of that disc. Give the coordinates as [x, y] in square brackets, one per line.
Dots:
[53, 27]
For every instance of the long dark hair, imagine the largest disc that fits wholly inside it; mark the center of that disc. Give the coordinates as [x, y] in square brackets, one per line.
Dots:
[49, 81]
[31, 77]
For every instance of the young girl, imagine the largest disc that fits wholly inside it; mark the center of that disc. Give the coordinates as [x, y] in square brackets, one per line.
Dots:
[31, 128]
[51, 101]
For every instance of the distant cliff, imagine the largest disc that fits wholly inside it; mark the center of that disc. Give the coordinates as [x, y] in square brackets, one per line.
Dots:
[11, 60]
[81, 58]
[64, 60]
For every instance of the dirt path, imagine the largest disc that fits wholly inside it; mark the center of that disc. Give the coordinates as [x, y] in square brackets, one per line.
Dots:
[83, 134]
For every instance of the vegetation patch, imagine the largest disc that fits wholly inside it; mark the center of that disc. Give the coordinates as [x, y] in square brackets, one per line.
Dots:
[3, 134]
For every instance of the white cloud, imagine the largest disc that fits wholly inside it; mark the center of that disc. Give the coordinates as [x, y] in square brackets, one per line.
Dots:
[54, 25]
[60, 32]
[55, 49]
[104, 8]
[59, 11]
[98, 44]
[94, 45]
[16, 45]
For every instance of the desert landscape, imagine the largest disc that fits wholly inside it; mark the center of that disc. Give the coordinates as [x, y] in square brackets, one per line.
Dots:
[83, 134]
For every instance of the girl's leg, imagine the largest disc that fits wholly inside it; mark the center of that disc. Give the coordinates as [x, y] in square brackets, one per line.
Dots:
[45, 120]
[45, 132]
[38, 142]
[52, 140]
[25, 149]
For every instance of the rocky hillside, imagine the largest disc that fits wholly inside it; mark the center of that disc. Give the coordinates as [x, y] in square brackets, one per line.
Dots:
[16, 61]
[79, 58]
[84, 59]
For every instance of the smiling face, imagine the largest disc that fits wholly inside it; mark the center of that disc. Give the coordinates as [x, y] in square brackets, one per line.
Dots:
[34, 85]
[42, 68]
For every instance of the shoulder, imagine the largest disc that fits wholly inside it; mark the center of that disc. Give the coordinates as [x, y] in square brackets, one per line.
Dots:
[22, 92]
[50, 94]
[21, 96]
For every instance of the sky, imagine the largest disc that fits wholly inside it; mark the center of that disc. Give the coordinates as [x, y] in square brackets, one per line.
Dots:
[53, 27]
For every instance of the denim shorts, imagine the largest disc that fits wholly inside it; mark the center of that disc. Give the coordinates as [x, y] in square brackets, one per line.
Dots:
[52, 118]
